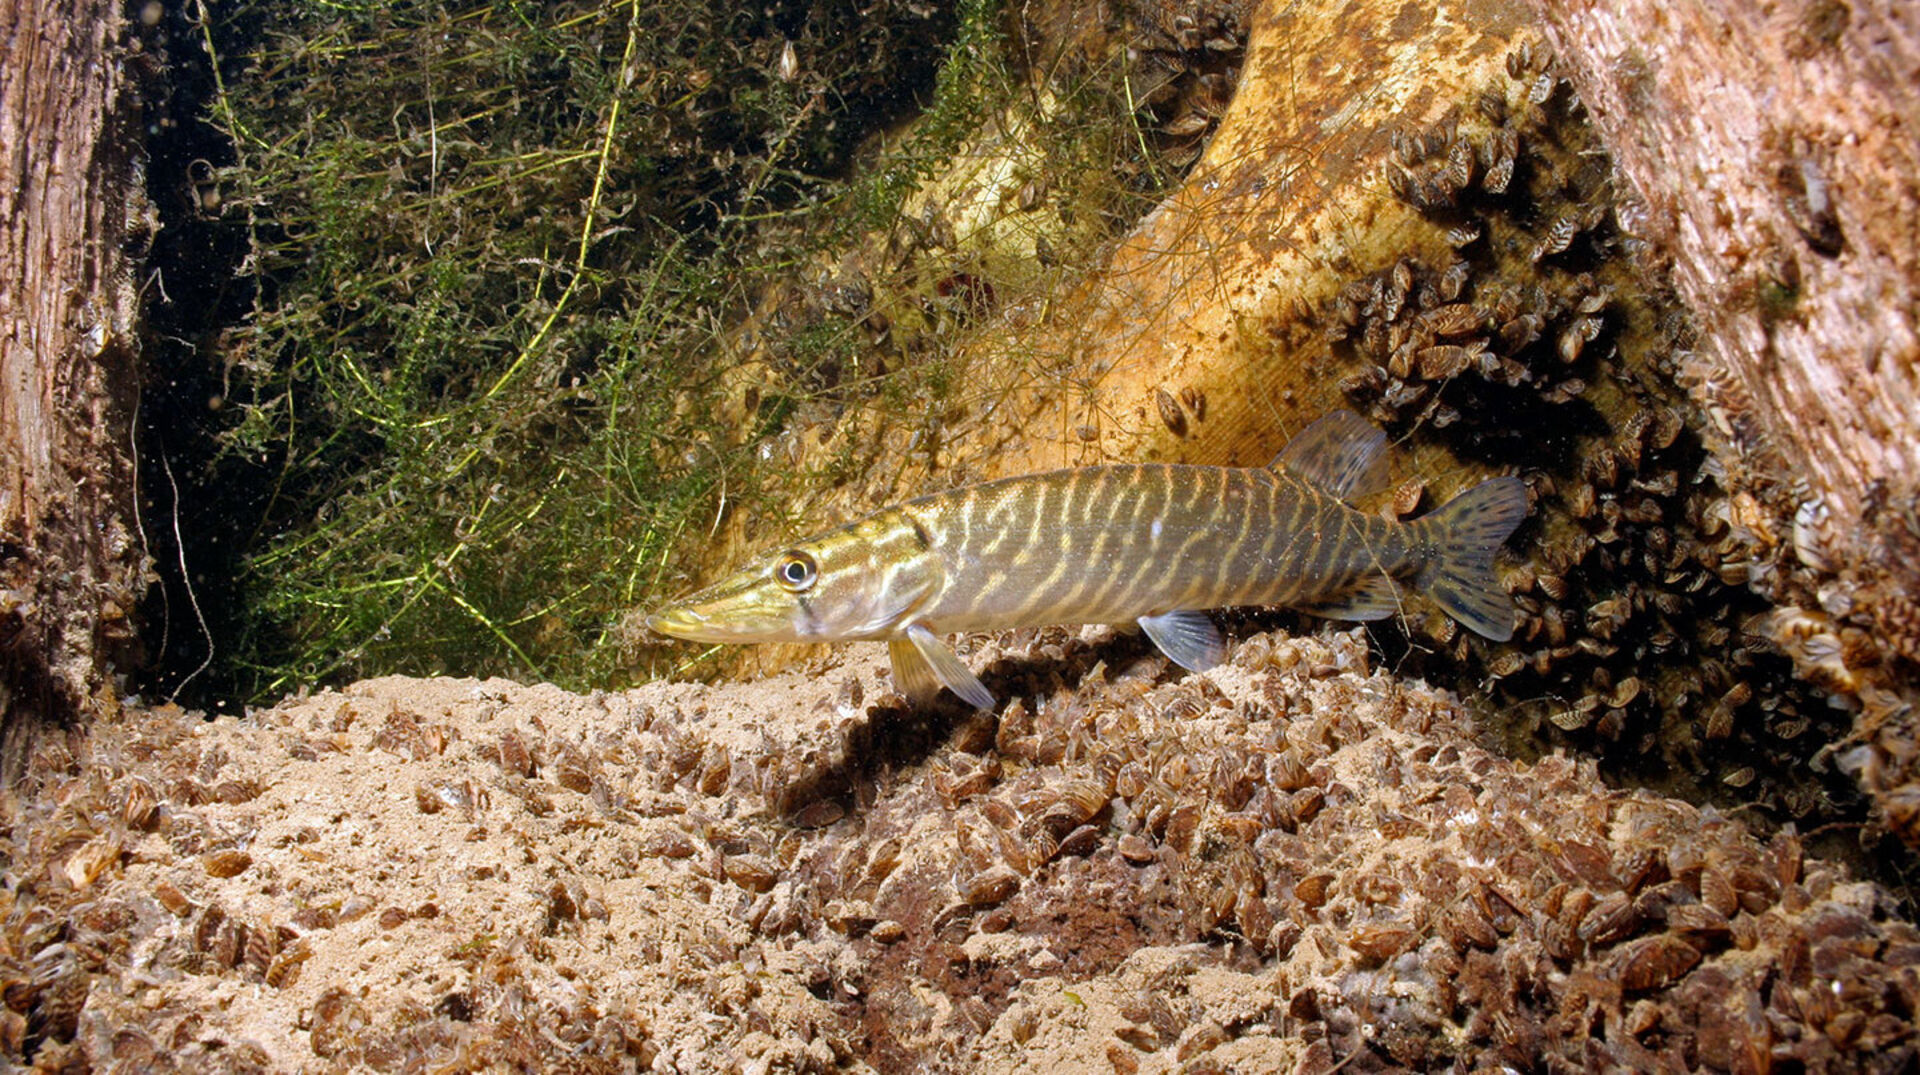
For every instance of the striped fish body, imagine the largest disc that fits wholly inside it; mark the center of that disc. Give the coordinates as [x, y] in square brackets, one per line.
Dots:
[1109, 544]
[1153, 543]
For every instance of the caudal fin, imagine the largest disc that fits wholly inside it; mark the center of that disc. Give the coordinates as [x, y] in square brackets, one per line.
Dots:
[1466, 531]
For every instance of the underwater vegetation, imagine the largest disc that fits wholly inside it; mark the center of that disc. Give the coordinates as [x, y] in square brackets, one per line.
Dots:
[503, 272]
[490, 267]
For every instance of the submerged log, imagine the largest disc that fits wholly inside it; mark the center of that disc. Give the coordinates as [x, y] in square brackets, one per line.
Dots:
[1776, 150]
[71, 563]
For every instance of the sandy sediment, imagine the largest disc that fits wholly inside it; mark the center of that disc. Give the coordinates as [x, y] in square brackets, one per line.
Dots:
[1291, 861]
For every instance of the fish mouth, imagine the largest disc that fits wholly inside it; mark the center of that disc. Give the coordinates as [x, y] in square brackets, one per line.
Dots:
[719, 621]
[683, 622]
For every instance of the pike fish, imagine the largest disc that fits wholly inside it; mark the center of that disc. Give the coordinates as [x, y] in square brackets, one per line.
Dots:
[1158, 544]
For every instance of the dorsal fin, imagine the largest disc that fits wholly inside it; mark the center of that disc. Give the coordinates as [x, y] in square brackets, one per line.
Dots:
[1341, 454]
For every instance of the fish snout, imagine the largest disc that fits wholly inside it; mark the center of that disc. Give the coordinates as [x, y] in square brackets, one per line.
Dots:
[681, 622]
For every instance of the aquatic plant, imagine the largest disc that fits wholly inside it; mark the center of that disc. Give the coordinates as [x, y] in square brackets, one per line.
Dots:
[497, 252]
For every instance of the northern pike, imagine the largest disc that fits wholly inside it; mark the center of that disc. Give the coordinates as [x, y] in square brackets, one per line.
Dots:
[1155, 543]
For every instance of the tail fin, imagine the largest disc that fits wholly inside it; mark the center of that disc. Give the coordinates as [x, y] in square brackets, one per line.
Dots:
[1465, 532]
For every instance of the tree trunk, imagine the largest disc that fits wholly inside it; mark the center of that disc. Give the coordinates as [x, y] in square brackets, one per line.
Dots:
[1776, 148]
[71, 563]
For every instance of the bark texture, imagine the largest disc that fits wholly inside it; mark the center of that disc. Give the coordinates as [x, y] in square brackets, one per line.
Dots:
[1776, 149]
[71, 564]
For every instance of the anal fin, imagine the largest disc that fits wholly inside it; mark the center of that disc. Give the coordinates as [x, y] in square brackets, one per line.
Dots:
[922, 664]
[1371, 597]
[1188, 638]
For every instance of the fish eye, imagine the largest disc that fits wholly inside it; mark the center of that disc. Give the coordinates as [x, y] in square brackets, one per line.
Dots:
[796, 571]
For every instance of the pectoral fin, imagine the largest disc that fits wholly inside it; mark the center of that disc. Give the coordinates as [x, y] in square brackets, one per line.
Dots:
[1188, 638]
[1374, 597]
[922, 664]
[912, 676]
